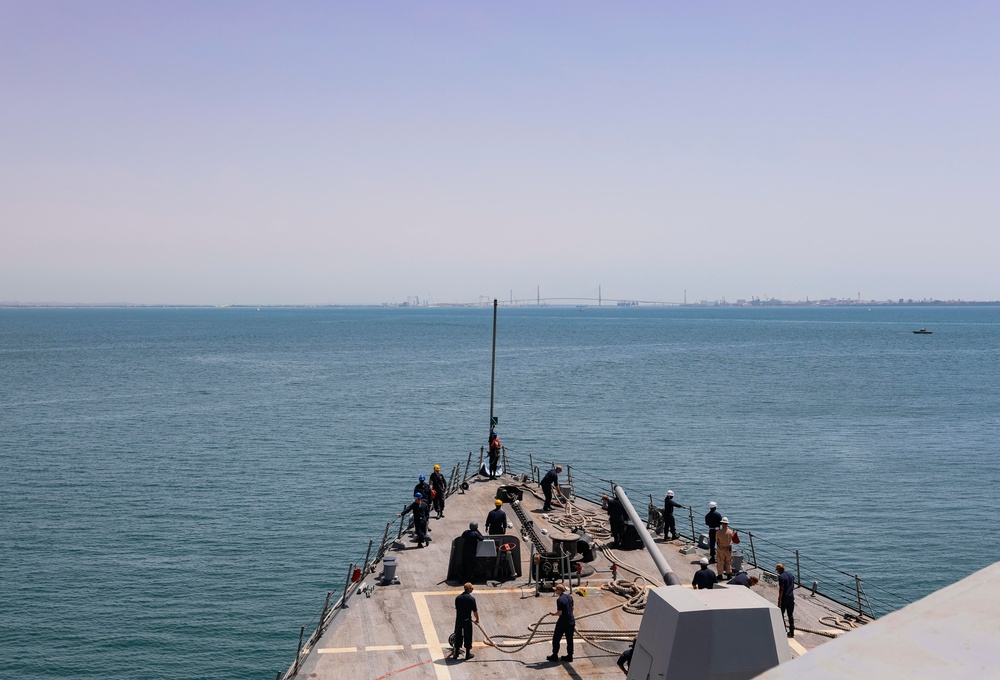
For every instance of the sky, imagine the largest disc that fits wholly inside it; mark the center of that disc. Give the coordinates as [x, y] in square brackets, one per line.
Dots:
[368, 152]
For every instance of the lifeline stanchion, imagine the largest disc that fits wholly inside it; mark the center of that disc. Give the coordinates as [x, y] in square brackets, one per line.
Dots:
[694, 536]
[467, 464]
[326, 605]
[298, 652]
[385, 540]
[347, 584]
[368, 554]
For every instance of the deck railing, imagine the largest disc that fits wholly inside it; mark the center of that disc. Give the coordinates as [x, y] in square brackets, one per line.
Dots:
[836, 585]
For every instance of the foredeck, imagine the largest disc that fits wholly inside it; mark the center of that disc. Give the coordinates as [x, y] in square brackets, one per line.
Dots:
[401, 630]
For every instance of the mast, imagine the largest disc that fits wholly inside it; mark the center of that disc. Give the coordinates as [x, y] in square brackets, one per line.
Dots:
[493, 366]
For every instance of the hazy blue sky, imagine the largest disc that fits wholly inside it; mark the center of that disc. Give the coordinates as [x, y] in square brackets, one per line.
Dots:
[304, 152]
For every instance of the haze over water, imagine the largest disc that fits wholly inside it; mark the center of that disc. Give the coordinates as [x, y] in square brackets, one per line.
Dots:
[180, 488]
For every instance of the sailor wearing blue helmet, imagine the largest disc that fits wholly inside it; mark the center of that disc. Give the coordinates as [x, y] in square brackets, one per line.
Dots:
[421, 514]
[423, 488]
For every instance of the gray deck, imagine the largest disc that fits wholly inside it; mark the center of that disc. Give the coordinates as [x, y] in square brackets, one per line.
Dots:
[402, 630]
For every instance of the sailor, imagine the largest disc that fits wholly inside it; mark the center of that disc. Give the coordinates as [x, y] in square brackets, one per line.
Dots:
[551, 479]
[421, 513]
[439, 486]
[423, 488]
[786, 596]
[743, 579]
[669, 526]
[703, 578]
[565, 624]
[616, 517]
[713, 519]
[465, 612]
[625, 659]
[724, 541]
[495, 447]
[496, 521]
[470, 544]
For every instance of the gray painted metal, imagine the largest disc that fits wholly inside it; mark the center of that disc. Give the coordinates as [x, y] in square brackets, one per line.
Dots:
[668, 575]
[718, 634]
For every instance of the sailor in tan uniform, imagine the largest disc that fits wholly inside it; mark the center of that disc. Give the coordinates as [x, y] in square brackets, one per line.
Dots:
[724, 552]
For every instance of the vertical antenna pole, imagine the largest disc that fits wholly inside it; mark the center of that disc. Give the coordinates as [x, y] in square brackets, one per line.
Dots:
[493, 366]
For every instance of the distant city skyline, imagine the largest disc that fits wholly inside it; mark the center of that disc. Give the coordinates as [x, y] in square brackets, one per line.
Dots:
[357, 153]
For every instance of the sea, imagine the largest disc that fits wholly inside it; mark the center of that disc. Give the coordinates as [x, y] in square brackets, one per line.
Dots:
[181, 488]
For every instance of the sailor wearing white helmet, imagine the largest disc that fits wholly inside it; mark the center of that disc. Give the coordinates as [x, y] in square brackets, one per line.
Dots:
[703, 578]
[712, 520]
[669, 526]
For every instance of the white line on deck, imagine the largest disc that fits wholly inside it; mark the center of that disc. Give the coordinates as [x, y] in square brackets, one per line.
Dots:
[430, 636]
[794, 644]
[385, 648]
[336, 650]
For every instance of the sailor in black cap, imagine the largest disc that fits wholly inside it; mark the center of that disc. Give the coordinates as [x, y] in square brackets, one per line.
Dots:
[421, 514]
[470, 544]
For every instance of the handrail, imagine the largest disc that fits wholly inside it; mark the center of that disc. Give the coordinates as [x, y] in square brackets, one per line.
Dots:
[850, 593]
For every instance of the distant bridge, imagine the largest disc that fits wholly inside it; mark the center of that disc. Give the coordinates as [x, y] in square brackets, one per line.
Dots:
[538, 301]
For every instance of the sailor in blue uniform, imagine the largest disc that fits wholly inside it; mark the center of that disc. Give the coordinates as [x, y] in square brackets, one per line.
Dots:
[704, 578]
[551, 479]
[565, 624]
[423, 488]
[470, 544]
[421, 514]
[616, 517]
[496, 521]
[669, 526]
[439, 486]
[786, 597]
[713, 520]
[744, 579]
[465, 611]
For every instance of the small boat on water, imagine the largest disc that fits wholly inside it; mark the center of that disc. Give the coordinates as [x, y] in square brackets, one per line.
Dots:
[923, 331]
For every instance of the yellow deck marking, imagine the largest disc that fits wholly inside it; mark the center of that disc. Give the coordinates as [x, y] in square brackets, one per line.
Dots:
[385, 648]
[474, 592]
[336, 650]
[794, 644]
[430, 636]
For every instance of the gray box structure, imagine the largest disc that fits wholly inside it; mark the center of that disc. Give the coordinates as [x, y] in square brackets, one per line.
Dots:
[718, 634]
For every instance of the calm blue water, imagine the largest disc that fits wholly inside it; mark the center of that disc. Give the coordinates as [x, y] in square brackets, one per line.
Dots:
[180, 488]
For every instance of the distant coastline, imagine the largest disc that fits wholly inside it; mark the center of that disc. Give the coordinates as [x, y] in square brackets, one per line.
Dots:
[561, 302]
